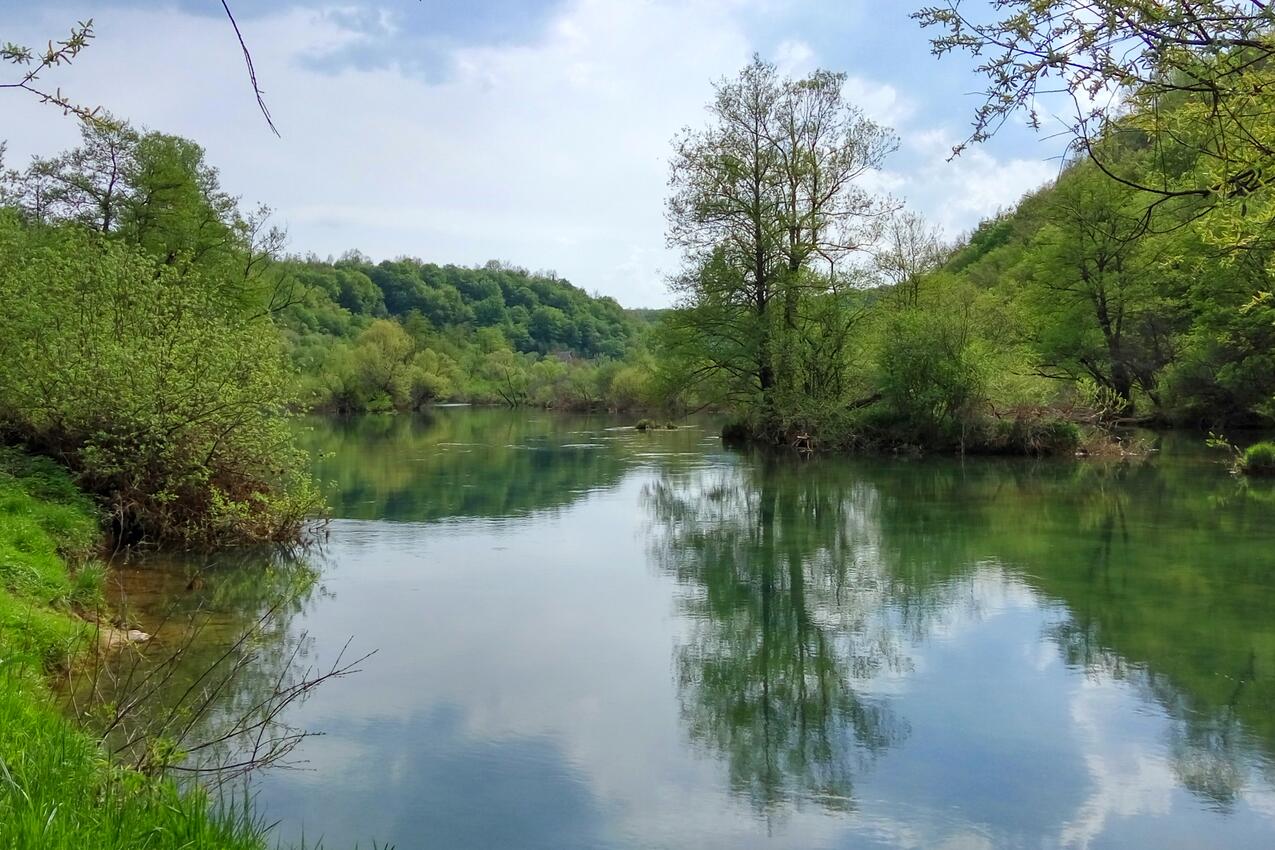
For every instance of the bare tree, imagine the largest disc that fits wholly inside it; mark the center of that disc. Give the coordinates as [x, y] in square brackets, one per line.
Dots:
[910, 249]
[1190, 73]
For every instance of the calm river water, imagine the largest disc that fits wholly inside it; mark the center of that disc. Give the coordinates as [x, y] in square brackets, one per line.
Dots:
[590, 637]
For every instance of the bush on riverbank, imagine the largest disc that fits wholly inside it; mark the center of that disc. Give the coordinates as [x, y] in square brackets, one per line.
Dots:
[58, 789]
[1258, 459]
[151, 384]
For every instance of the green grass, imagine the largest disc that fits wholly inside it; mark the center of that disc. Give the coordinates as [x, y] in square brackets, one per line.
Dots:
[57, 788]
[47, 533]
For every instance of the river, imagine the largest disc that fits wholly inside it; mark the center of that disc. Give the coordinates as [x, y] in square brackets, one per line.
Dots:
[593, 637]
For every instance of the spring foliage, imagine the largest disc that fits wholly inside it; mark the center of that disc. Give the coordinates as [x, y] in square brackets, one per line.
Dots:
[137, 344]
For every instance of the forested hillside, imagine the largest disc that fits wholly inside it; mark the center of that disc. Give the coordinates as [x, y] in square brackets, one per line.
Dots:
[1153, 318]
[401, 333]
[1130, 290]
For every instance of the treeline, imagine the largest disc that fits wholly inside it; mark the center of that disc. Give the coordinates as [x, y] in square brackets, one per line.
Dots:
[824, 315]
[401, 334]
[155, 339]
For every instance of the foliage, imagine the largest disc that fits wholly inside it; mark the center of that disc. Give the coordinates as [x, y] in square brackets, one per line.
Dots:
[784, 324]
[1258, 459]
[929, 374]
[495, 334]
[1152, 52]
[1093, 307]
[138, 344]
[1187, 82]
[760, 198]
[57, 788]
[1120, 320]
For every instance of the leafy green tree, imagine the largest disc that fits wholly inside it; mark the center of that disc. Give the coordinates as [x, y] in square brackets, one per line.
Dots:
[930, 373]
[383, 355]
[549, 327]
[1094, 299]
[507, 377]
[433, 377]
[1186, 81]
[758, 196]
[490, 312]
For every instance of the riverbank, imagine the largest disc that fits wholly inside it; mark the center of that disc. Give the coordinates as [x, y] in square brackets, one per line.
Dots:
[58, 789]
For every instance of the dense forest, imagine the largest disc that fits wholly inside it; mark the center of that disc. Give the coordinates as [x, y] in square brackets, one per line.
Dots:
[403, 333]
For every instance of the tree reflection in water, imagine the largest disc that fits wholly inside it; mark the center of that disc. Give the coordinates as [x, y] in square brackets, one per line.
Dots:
[788, 617]
[807, 584]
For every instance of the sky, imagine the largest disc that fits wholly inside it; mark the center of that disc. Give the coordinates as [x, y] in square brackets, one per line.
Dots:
[536, 132]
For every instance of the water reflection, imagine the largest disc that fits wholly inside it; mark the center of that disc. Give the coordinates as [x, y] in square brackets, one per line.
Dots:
[597, 638]
[480, 463]
[202, 696]
[785, 622]
[808, 582]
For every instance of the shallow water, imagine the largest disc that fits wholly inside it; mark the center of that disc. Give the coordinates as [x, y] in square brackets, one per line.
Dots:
[591, 637]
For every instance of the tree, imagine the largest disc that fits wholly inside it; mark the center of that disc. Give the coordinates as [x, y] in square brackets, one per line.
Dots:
[759, 198]
[152, 384]
[1096, 313]
[383, 355]
[507, 377]
[90, 184]
[911, 250]
[1188, 81]
[157, 192]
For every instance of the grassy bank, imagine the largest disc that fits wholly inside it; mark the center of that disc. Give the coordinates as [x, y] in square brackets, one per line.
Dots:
[57, 787]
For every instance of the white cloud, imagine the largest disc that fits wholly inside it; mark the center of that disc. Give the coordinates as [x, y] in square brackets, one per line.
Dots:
[793, 56]
[551, 154]
[957, 194]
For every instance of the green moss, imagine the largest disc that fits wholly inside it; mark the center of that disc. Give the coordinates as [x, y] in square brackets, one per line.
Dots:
[1258, 459]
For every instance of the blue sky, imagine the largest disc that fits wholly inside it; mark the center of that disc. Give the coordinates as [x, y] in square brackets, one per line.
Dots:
[534, 132]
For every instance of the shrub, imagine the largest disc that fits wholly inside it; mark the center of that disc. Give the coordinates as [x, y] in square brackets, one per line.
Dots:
[930, 376]
[162, 392]
[1258, 459]
[1037, 435]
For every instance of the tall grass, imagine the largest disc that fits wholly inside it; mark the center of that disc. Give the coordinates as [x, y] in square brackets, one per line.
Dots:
[58, 790]
[57, 787]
